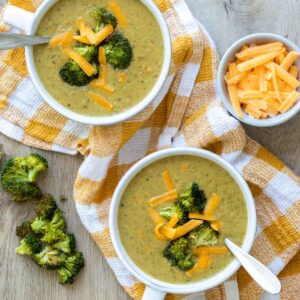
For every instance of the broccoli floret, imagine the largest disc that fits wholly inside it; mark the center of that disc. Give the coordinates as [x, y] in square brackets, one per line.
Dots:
[70, 268]
[66, 245]
[103, 17]
[179, 254]
[72, 74]
[53, 230]
[29, 245]
[24, 229]
[46, 207]
[49, 258]
[193, 199]
[89, 52]
[118, 51]
[20, 173]
[203, 235]
[168, 211]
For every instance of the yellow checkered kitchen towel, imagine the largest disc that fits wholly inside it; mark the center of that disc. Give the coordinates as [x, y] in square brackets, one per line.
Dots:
[190, 115]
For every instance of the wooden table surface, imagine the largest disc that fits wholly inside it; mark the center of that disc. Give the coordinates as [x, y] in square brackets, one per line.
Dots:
[20, 279]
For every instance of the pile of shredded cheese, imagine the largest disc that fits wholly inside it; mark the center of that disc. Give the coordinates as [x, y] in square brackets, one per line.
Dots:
[262, 81]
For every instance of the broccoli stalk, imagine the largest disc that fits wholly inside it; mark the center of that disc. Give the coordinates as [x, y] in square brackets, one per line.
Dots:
[203, 235]
[103, 17]
[179, 254]
[19, 175]
[118, 51]
[193, 199]
[70, 268]
[29, 245]
[66, 245]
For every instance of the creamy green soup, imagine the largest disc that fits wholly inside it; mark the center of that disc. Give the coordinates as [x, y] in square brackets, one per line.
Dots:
[142, 31]
[136, 228]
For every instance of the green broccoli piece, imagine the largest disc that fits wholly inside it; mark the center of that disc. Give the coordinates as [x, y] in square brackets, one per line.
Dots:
[193, 199]
[203, 235]
[72, 74]
[49, 258]
[24, 229]
[89, 52]
[118, 51]
[179, 254]
[70, 268]
[46, 207]
[29, 245]
[20, 173]
[168, 211]
[66, 245]
[103, 17]
[53, 230]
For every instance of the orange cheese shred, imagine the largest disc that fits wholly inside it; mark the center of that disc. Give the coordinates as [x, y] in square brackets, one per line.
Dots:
[82, 39]
[168, 232]
[166, 197]
[216, 225]
[81, 26]
[173, 221]
[168, 180]
[212, 204]
[211, 250]
[154, 215]
[117, 11]
[185, 228]
[203, 262]
[157, 231]
[103, 34]
[202, 217]
[101, 101]
[100, 85]
[62, 39]
[289, 102]
[87, 68]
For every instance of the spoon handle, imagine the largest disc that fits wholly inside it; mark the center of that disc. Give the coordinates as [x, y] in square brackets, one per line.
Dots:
[12, 40]
[260, 273]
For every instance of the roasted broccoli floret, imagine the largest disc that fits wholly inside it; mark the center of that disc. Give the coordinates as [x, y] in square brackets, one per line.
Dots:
[24, 229]
[118, 51]
[49, 258]
[46, 207]
[66, 245]
[193, 199]
[203, 235]
[70, 268]
[103, 17]
[179, 254]
[53, 230]
[29, 245]
[168, 211]
[89, 52]
[20, 173]
[72, 74]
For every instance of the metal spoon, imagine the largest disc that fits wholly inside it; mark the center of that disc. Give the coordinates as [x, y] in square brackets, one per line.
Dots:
[260, 273]
[12, 40]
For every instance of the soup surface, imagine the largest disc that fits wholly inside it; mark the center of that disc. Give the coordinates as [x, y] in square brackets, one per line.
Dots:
[142, 31]
[136, 228]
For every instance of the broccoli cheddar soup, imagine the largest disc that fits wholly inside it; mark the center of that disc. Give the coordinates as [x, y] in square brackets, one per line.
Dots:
[105, 55]
[174, 216]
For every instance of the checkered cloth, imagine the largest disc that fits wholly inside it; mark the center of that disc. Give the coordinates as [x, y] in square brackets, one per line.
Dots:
[190, 115]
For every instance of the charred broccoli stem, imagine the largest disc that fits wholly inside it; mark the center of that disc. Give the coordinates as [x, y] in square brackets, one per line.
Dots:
[29, 245]
[19, 175]
[179, 254]
[118, 51]
[203, 235]
[103, 17]
[70, 268]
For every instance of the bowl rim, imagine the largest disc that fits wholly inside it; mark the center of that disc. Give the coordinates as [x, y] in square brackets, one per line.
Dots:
[234, 48]
[158, 284]
[114, 118]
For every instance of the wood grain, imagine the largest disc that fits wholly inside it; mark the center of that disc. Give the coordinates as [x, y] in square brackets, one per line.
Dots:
[20, 278]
